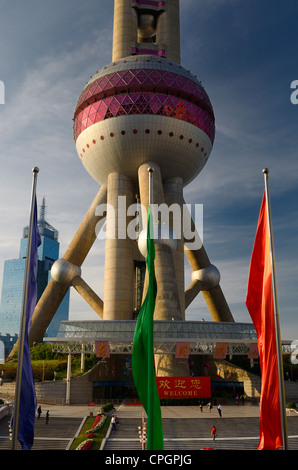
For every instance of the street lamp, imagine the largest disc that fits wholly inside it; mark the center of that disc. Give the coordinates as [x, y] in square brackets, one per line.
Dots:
[143, 432]
[143, 435]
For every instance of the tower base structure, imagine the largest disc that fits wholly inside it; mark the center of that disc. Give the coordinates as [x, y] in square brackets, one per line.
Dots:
[125, 259]
[112, 342]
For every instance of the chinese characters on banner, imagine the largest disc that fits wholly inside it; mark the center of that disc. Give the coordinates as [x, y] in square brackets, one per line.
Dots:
[183, 387]
[253, 351]
[182, 350]
[102, 349]
[221, 350]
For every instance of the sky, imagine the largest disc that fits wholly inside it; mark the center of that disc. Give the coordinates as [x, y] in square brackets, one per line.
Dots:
[245, 54]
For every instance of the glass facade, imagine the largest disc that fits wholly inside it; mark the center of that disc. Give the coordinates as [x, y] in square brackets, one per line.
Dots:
[123, 330]
[141, 91]
[13, 282]
[202, 336]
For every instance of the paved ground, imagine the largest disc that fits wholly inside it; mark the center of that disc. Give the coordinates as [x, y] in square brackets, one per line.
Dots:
[80, 411]
[184, 428]
[187, 428]
[56, 435]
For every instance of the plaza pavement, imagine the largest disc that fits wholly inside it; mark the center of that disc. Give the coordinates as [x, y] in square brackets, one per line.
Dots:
[185, 428]
[132, 411]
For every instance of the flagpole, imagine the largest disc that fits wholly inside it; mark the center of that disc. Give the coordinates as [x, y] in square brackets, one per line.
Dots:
[150, 337]
[276, 320]
[35, 171]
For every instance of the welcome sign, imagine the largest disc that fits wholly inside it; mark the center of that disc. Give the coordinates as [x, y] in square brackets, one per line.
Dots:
[183, 387]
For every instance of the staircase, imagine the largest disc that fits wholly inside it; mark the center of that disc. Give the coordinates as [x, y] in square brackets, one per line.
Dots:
[188, 434]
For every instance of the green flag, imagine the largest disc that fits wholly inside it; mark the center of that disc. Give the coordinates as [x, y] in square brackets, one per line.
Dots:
[143, 357]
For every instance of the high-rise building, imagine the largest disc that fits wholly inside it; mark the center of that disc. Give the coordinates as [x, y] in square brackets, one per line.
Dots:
[13, 282]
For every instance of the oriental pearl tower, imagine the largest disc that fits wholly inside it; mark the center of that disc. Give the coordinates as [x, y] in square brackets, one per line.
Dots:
[144, 110]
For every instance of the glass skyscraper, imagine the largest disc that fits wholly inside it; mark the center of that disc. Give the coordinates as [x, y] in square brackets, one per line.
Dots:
[13, 282]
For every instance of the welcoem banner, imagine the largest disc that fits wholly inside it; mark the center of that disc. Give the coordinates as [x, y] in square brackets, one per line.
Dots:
[183, 387]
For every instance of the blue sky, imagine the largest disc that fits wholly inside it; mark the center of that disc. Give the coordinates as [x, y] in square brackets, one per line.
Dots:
[245, 53]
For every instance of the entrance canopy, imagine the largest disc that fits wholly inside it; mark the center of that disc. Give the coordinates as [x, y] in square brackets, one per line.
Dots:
[81, 336]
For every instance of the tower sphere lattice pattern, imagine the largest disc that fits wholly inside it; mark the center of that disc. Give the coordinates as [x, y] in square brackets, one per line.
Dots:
[144, 108]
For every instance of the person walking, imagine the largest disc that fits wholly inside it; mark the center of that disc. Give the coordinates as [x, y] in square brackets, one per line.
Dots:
[47, 417]
[213, 433]
[113, 421]
[38, 412]
[219, 410]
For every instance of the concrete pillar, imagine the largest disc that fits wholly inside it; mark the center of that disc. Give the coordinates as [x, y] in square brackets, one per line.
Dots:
[167, 302]
[125, 32]
[214, 298]
[167, 365]
[68, 378]
[82, 357]
[88, 295]
[119, 266]
[87, 232]
[168, 30]
[167, 305]
[125, 29]
[173, 192]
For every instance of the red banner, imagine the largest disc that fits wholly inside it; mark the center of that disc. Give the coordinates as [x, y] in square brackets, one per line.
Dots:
[102, 349]
[260, 304]
[221, 350]
[183, 387]
[253, 351]
[182, 350]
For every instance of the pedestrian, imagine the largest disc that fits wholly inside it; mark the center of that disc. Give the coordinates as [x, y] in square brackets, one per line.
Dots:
[47, 416]
[210, 406]
[213, 432]
[219, 409]
[113, 421]
[38, 412]
[201, 407]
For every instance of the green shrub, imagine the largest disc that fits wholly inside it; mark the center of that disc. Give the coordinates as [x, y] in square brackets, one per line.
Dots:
[107, 407]
[291, 405]
[43, 352]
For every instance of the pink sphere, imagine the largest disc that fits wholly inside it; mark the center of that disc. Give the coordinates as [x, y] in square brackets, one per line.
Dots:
[139, 109]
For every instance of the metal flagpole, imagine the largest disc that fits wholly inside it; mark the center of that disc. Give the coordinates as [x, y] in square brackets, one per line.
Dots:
[150, 334]
[35, 171]
[276, 321]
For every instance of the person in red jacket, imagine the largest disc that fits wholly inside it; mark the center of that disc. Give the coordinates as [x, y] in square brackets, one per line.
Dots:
[213, 432]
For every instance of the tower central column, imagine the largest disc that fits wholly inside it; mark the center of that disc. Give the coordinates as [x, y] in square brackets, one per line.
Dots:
[152, 26]
[119, 267]
[167, 301]
[167, 305]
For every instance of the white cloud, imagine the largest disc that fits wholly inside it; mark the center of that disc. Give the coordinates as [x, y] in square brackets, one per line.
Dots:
[36, 130]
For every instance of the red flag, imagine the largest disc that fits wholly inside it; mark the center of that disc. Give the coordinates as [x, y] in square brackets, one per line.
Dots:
[259, 302]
